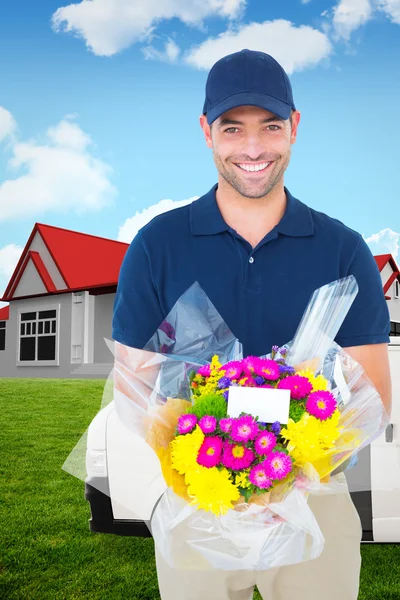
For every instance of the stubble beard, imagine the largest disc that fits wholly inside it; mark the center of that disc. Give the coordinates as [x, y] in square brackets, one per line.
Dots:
[252, 190]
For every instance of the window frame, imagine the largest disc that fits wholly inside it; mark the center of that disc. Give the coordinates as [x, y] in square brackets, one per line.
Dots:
[396, 288]
[39, 363]
[5, 334]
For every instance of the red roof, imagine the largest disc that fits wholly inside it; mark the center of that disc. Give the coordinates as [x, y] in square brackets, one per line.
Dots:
[5, 313]
[84, 261]
[382, 260]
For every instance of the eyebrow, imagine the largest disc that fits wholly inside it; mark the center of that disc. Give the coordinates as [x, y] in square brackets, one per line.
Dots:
[224, 122]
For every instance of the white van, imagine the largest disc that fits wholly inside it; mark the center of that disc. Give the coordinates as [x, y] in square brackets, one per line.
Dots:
[111, 490]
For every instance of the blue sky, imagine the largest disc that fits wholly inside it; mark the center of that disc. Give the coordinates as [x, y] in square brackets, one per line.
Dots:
[99, 107]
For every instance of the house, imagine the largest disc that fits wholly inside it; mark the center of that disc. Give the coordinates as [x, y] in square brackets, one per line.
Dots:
[61, 297]
[390, 276]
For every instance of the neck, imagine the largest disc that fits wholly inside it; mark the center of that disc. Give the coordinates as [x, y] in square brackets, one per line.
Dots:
[251, 217]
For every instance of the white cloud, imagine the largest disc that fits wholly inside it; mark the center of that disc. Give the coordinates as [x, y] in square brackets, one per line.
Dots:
[386, 241]
[295, 48]
[170, 54]
[7, 124]
[349, 15]
[9, 256]
[109, 26]
[129, 229]
[60, 175]
[391, 8]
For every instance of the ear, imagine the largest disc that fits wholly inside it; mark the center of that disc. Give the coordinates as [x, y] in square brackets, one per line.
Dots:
[295, 124]
[206, 130]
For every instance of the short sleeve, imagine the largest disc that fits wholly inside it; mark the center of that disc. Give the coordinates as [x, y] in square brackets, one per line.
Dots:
[137, 312]
[368, 320]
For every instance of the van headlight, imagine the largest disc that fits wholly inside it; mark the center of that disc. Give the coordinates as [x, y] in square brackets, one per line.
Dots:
[96, 463]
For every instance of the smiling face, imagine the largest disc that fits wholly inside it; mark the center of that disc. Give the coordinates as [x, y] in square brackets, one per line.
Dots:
[251, 148]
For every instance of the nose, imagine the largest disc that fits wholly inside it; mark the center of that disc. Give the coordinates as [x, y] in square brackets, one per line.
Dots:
[253, 147]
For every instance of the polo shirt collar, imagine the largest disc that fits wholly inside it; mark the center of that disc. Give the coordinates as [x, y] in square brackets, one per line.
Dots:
[206, 218]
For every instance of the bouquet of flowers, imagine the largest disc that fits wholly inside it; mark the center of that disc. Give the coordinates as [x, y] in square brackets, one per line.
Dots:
[219, 453]
[235, 477]
[224, 458]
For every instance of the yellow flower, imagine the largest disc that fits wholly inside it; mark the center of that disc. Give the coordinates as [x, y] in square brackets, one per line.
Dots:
[241, 480]
[172, 478]
[212, 490]
[184, 450]
[310, 438]
[211, 387]
[318, 383]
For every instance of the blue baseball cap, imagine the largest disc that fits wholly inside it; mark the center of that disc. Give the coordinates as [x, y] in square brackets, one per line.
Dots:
[247, 77]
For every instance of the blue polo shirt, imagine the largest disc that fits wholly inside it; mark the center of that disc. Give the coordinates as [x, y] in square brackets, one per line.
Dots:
[260, 293]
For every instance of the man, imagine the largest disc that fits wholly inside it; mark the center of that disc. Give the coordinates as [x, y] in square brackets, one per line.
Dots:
[258, 253]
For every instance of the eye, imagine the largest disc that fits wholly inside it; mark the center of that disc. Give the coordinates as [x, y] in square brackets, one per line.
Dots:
[229, 130]
[277, 127]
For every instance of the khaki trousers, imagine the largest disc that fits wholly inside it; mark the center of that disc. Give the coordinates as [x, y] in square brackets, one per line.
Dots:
[333, 575]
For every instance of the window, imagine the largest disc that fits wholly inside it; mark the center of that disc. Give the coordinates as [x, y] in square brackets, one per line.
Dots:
[394, 328]
[38, 335]
[2, 335]
[396, 288]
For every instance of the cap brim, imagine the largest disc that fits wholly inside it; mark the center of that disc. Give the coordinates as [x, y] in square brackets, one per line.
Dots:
[279, 108]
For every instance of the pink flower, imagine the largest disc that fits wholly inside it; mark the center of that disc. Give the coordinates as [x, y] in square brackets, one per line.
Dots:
[322, 404]
[244, 429]
[226, 424]
[258, 477]
[265, 442]
[208, 424]
[298, 385]
[210, 452]
[251, 364]
[205, 371]
[236, 457]
[277, 465]
[268, 369]
[233, 369]
[186, 423]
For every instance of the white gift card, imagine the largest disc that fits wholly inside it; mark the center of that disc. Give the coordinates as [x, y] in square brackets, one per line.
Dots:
[269, 404]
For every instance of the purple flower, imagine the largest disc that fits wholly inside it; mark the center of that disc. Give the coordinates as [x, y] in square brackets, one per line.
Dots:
[259, 380]
[167, 329]
[276, 428]
[226, 394]
[286, 369]
[224, 382]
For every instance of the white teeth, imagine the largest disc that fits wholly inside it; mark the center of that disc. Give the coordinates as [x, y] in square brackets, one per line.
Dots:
[260, 167]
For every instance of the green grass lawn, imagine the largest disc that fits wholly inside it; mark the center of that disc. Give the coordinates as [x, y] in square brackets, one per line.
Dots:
[47, 551]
